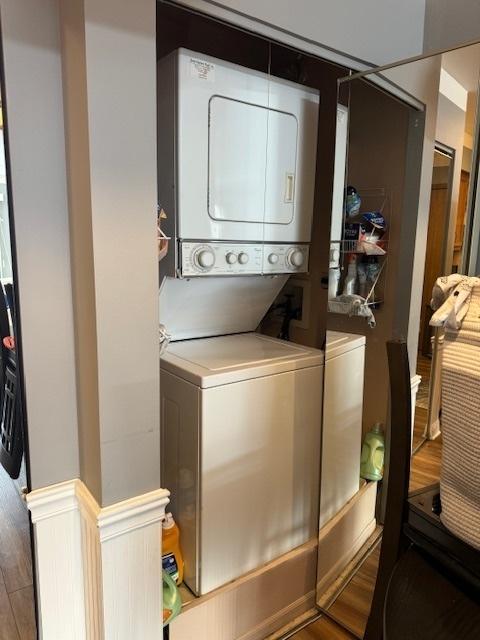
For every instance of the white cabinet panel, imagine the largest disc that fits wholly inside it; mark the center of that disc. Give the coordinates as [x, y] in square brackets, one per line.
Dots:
[342, 431]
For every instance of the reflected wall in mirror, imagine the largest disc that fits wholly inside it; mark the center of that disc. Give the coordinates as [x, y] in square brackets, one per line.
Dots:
[407, 158]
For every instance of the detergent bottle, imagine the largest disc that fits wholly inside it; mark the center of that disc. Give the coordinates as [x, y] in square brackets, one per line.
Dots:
[172, 601]
[172, 560]
[373, 454]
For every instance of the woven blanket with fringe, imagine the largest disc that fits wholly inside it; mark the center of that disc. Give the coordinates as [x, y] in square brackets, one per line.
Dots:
[460, 472]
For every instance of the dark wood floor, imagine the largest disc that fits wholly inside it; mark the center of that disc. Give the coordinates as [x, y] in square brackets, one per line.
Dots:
[351, 608]
[17, 618]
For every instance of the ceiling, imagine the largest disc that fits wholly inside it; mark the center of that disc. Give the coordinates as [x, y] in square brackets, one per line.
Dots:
[464, 65]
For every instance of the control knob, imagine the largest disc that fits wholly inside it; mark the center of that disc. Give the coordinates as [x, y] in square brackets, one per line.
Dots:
[231, 258]
[334, 254]
[243, 258]
[295, 258]
[204, 258]
[273, 258]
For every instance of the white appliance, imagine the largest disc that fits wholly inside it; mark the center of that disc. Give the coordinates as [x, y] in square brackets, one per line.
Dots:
[241, 418]
[200, 307]
[236, 168]
[336, 229]
[342, 421]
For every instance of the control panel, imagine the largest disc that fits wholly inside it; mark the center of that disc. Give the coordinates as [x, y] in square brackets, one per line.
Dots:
[220, 259]
[226, 258]
[285, 258]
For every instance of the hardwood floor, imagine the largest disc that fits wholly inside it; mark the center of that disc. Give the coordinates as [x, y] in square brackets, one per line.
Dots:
[424, 366]
[419, 426]
[323, 629]
[17, 616]
[425, 468]
[351, 608]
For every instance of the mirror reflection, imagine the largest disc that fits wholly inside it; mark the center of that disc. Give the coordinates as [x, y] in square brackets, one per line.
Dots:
[407, 209]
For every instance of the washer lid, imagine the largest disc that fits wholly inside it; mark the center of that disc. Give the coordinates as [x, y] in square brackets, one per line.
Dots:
[339, 343]
[210, 362]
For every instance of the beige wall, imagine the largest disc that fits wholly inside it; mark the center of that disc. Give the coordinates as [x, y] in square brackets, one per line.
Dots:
[120, 253]
[37, 149]
[113, 197]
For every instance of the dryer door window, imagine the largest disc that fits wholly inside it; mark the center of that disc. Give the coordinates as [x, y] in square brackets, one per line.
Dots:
[237, 160]
[252, 158]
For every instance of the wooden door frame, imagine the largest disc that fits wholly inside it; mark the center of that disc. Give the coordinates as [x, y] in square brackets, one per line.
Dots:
[435, 379]
[451, 153]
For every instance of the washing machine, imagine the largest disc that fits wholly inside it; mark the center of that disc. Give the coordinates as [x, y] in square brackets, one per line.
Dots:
[240, 450]
[342, 421]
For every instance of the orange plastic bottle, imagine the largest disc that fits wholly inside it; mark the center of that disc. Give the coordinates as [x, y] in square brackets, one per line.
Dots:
[172, 560]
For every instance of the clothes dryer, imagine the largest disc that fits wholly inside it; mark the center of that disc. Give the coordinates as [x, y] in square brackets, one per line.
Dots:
[236, 167]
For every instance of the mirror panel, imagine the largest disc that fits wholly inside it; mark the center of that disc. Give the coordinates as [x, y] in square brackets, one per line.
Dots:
[406, 208]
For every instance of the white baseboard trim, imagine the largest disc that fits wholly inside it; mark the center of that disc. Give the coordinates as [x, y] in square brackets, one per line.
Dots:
[345, 534]
[435, 429]
[57, 526]
[275, 624]
[98, 570]
[130, 539]
[255, 606]
[414, 385]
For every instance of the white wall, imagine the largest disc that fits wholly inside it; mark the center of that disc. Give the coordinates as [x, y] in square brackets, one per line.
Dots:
[421, 79]
[450, 23]
[120, 47]
[33, 78]
[450, 131]
[377, 31]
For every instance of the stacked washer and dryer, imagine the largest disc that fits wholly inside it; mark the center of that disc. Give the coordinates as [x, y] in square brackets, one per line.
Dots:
[241, 412]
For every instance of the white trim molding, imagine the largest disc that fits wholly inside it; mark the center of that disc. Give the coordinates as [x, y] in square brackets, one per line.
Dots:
[414, 385]
[130, 540]
[98, 570]
[60, 579]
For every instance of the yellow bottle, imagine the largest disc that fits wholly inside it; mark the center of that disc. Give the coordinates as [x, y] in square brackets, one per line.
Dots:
[172, 560]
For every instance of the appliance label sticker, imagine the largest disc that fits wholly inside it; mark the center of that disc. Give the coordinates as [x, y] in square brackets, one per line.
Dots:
[202, 70]
[169, 564]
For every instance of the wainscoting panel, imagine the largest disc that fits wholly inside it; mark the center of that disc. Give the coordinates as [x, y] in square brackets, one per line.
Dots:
[99, 570]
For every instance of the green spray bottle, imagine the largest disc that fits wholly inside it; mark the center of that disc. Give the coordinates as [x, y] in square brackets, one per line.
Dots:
[373, 454]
